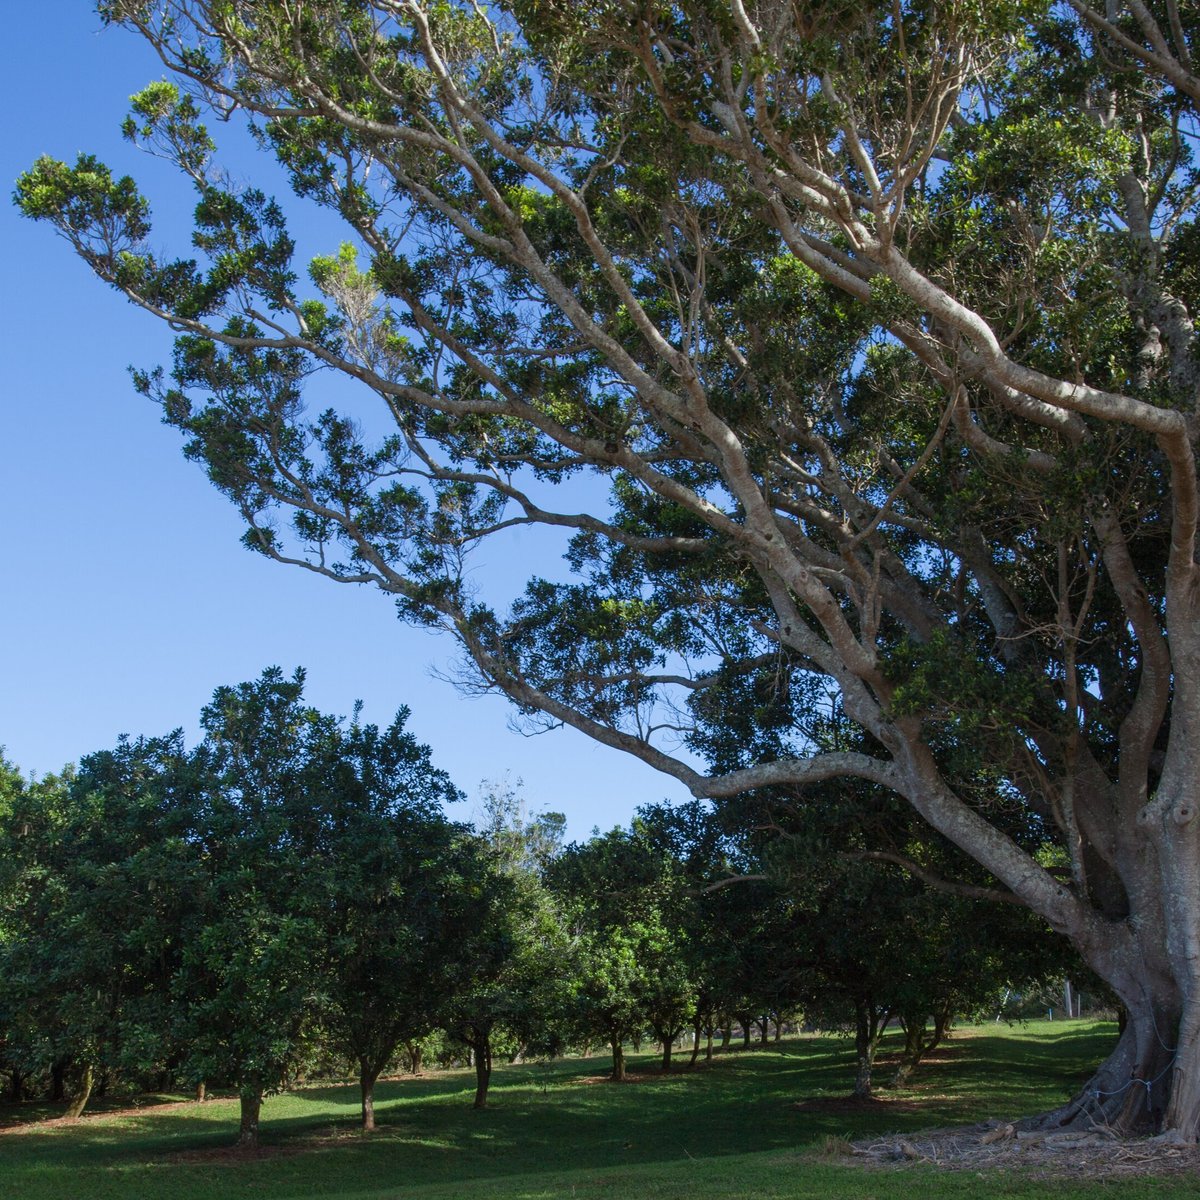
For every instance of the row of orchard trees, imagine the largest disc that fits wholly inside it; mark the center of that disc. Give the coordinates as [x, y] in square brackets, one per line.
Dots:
[208, 914]
[687, 924]
[290, 890]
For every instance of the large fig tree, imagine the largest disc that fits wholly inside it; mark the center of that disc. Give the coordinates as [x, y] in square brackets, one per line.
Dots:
[873, 321]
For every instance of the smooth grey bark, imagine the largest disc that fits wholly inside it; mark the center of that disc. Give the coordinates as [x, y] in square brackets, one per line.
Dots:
[919, 1040]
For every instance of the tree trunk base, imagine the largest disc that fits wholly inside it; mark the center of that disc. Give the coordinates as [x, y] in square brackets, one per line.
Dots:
[481, 1052]
[1126, 1096]
[251, 1108]
[618, 1067]
[80, 1099]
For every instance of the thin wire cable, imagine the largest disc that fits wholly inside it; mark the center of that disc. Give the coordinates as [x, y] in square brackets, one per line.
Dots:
[1096, 1093]
[1154, 1022]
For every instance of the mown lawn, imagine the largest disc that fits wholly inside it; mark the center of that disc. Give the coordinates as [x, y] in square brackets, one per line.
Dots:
[749, 1127]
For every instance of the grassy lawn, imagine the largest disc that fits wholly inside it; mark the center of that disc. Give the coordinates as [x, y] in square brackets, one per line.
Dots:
[749, 1127]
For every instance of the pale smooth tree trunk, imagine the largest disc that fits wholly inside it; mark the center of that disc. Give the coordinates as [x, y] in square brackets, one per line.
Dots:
[864, 1052]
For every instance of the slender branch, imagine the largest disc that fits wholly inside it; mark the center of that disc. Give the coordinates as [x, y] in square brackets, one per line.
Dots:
[952, 887]
[728, 882]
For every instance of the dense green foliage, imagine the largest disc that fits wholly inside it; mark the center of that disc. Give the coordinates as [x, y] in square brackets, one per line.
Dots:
[289, 888]
[288, 897]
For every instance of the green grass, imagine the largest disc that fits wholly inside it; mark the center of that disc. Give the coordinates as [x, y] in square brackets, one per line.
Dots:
[733, 1131]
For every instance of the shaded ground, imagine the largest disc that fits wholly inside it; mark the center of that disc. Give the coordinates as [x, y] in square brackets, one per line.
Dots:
[133, 1110]
[749, 1127]
[857, 1106]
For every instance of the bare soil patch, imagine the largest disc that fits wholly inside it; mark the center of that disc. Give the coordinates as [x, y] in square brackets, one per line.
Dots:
[851, 1105]
[231, 1156]
[336, 1135]
[630, 1078]
[137, 1110]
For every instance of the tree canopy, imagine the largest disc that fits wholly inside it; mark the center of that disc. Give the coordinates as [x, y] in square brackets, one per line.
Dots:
[874, 321]
[288, 889]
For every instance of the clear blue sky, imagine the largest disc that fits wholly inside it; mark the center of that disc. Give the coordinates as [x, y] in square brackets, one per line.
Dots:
[126, 597]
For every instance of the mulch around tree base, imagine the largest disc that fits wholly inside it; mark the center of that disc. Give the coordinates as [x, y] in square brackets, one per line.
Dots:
[995, 1145]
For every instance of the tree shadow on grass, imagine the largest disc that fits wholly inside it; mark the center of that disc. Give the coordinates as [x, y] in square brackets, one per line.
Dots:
[545, 1118]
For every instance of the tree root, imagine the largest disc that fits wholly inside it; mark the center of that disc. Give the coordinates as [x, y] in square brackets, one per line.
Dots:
[1079, 1153]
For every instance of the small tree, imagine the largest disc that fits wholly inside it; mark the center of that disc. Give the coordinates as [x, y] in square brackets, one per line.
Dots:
[247, 986]
[516, 963]
[490, 981]
[625, 898]
[609, 1002]
[385, 866]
